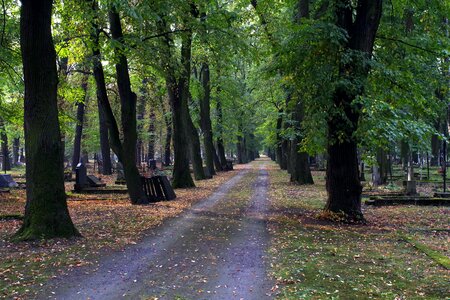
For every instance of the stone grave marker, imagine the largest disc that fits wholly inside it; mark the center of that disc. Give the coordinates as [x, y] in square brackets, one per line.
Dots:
[120, 174]
[95, 181]
[80, 177]
[6, 181]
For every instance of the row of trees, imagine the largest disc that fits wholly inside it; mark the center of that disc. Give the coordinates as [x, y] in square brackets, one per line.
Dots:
[142, 63]
[342, 79]
[361, 80]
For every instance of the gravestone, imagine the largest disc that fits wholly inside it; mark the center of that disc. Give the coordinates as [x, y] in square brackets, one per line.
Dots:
[95, 181]
[411, 183]
[229, 165]
[6, 181]
[120, 174]
[80, 177]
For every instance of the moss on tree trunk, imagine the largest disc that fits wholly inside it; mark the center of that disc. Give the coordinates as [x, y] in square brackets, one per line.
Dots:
[46, 213]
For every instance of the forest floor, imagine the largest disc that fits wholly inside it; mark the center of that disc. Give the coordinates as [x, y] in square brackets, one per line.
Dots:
[247, 234]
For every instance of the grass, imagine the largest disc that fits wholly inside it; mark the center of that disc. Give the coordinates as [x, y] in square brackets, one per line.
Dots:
[435, 255]
[315, 259]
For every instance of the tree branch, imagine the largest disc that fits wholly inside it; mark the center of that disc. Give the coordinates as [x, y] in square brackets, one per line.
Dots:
[407, 44]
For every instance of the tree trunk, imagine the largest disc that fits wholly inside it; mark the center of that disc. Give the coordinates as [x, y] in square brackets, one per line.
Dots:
[178, 91]
[205, 119]
[299, 160]
[404, 154]
[16, 148]
[220, 146]
[46, 213]
[168, 122]
[300, 171]
[217, 163]
[152, 135]
[140, 120]
[278, 150]
[6, 163]
[194, 150]
[128, 116]
[343, 185]
[383, 164]
[285, 144]
[181, 175]
[104, 141]
[79, 126]
[240, 155]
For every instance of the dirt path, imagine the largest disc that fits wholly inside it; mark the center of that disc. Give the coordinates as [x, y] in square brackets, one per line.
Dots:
[209, 252]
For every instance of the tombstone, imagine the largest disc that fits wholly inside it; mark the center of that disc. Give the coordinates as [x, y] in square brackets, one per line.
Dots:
[229, 164]
[6, 181]
[169, 193]
[376, 178]
[80, 177]
[95, 181]
[411, 183]
[100, 166]
[120, 174]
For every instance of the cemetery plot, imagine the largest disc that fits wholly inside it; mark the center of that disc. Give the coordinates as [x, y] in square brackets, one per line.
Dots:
[90, 184]
[407, 200]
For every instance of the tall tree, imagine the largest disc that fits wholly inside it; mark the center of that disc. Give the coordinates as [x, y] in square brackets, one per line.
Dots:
[205, 118]
[343, 185]
[127, 151]
[177, 83]
[220, 145]
[79, 127]
[299, 159]
[4, 147]
[46, 213]
[104, 140]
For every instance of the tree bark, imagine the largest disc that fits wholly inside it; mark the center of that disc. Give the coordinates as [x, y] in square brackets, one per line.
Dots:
[220, 146]
[46, 213]
[104, 141]
[205, 119]
[16, 148]
[178, 92]
[279, 141]
[79, 126]
[300, 170]
[6, 163]
[152, 134]
[140, 120]
[168, 121]
[217, 163]
[343, 185]
[194, 150]
[128, 115]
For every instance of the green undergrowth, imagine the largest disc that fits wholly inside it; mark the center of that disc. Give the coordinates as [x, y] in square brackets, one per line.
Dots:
[315, 259]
